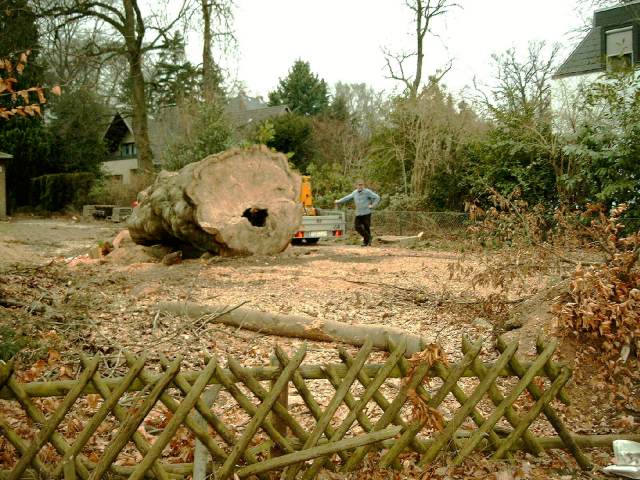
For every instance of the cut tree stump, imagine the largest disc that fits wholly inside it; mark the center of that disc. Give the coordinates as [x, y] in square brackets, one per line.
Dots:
[239, 202]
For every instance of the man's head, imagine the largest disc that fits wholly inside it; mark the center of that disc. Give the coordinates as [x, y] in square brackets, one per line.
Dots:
[360, 185]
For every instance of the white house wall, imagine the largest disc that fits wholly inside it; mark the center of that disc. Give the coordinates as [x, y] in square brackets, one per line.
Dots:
[121, 167]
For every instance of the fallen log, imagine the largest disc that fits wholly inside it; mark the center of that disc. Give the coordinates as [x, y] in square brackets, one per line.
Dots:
[400, 241]
[297, 326]
[242, 201]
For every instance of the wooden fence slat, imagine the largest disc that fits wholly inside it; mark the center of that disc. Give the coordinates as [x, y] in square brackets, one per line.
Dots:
[21, 447]
[379, 379]
[172, 405]
[261, 414]
[504, 405]
[531, 415]
[421, 392]
[52, 423]
[349, 401]
[69, 469]
[246, 404]
[277, 421]
[462, 413]
[390, 413]
[200, 452]
[134, 420]
[6, 370]
[554, 420]
[122, 414]
[307, 396]
[57, 440]
[59, 388]
[434, 402]
[98, 417]
[552, 371]
[319, 451]
[177, 419]
[365, 381]
[334, 403]
[496, 397]
[462, 398]
[259, 391]
[202, 408]
[273, 417]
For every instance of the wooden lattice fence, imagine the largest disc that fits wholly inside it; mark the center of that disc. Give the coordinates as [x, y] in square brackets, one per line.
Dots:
[318, 433]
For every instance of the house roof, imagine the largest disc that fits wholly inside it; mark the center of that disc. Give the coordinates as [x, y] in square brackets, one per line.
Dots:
[585, 58]
[168, 125]
[121, 123]
[243, 110]
[5, 155]
[589, 55]
[256, 115]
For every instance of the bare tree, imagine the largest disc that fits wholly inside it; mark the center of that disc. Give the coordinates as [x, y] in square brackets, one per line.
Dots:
[424, 13]
[217, 17]
[130, 27]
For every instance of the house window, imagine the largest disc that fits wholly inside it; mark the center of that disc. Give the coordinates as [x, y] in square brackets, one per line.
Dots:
[620, 49]
[116, 178]
[128, 150]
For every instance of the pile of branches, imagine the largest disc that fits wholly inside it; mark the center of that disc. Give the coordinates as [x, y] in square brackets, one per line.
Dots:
[603, 302]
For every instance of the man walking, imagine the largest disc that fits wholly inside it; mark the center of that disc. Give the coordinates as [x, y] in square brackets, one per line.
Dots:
[365, 200]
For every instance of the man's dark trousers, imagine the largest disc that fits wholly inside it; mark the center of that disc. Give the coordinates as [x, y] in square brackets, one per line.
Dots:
[362, 225]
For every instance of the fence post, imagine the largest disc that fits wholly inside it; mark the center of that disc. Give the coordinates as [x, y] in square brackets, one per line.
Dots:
[69, 469]
[279, 424]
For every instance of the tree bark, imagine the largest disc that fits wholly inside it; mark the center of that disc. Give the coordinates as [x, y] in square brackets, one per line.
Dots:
[140, 123]
[134, 30]
[242, 201]
[207, 56]
[297, 326]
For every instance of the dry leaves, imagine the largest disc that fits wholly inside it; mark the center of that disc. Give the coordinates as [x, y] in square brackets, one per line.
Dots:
[603, 304]
[431, 417]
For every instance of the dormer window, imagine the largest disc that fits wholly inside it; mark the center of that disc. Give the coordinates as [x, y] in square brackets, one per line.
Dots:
[619, 49]
[128, 150]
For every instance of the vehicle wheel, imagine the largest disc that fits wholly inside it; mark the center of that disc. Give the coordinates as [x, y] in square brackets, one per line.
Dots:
[296, 241]
[311, 241]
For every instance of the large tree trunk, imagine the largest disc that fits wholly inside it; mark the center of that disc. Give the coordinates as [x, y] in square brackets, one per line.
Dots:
[242, 201]
[140, 123]
[296, 326]
[133, 30]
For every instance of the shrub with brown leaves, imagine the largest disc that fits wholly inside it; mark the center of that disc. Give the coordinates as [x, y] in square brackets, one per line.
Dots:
[603, 303]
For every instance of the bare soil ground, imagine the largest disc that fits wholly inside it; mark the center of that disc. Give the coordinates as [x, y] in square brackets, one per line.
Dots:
[110, 307]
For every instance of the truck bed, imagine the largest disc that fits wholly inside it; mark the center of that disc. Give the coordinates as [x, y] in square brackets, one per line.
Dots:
[329, 224]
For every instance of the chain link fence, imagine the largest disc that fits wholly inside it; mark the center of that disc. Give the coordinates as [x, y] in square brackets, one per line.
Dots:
[393, 222]
[433, 224]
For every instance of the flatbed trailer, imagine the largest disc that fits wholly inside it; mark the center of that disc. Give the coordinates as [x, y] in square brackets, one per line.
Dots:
[328, 224]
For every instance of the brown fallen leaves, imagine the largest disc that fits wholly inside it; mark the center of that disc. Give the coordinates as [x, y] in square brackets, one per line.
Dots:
[431, 417]
[603, 304]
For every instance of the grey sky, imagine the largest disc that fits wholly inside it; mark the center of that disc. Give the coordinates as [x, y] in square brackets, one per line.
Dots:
[342, 39]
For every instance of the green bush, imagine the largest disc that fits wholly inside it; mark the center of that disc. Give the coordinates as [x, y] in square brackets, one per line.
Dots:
[10, 343]
[56, 191]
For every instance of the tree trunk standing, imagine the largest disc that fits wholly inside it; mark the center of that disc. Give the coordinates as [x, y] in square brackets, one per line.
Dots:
[424, 11]
[211, 76]
[207, 56]
[126, 19]
[420, 33]
[140, 125]
[134, 31]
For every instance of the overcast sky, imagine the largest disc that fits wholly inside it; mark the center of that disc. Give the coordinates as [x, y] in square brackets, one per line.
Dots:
[342, 39]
